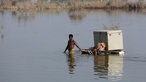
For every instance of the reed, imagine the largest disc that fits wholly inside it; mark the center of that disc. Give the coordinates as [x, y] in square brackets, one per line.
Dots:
[73, 4]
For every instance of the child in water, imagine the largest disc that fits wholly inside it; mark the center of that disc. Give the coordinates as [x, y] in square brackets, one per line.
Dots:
[70, 45]
[100, 47]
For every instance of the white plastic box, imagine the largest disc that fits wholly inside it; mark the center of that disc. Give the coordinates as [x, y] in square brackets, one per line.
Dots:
[112, 38]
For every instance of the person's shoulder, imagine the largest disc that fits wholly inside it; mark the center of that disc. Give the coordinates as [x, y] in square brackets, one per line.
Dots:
[74, 41]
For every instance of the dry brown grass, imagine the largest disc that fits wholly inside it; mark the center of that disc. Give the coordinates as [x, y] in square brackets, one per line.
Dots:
[72, 5]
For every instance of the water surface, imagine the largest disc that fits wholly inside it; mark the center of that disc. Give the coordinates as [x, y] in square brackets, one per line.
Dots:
[31, 46]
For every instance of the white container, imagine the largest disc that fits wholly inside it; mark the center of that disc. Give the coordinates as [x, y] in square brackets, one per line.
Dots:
[112, 38]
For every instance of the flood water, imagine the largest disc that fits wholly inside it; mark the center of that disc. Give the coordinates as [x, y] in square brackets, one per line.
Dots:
[32, 45]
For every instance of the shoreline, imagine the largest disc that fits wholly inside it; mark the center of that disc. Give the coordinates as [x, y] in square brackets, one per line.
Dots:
[27, 6]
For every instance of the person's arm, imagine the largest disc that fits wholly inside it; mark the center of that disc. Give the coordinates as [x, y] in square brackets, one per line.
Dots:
[66, 48]
[77, 46]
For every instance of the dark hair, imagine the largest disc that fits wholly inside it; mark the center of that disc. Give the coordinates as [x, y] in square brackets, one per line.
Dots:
[70, 35]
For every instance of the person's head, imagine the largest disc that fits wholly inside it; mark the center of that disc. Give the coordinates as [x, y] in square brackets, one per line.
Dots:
[70, 36]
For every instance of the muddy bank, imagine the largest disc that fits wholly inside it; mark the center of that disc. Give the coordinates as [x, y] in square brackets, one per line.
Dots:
[13, 5]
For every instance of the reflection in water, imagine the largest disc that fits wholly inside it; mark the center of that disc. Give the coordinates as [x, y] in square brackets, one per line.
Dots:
[115, 13]
[101, 66]
[2, 12]
[14, 13]
[115, 68]
[108, 67]
[53, 11]
[71, 63]
[25, 17]
[76, 15]
[1, 32]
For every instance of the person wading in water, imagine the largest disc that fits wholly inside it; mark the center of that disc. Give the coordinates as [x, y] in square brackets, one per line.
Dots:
[70, 45]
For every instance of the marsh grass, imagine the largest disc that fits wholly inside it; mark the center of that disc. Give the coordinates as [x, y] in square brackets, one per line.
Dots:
[72, 5]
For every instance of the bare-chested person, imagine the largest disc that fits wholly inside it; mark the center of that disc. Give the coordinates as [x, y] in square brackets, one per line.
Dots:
[100, 47]
[70, 45]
